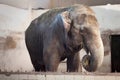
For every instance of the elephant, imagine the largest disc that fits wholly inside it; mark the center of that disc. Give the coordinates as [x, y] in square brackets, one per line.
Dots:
[59, 34]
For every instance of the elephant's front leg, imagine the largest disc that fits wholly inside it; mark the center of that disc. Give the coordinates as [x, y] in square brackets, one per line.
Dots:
[73, 62]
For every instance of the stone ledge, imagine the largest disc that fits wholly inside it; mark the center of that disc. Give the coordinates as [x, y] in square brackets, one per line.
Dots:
[58, 76]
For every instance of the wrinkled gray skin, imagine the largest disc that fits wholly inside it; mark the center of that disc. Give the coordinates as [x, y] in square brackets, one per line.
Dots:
[61, 33]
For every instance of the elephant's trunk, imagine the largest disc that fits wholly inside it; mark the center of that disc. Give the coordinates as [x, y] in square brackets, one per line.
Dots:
[93, 60]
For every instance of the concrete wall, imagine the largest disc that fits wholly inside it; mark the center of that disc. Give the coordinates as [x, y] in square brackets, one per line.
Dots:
[13, 53]
[25, 4]
[13, 22]
[54, 3]
[14, 56]
[108, 16]
[59, 3]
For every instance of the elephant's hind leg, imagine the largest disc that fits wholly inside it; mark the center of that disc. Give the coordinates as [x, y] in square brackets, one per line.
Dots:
[42, 68]
[51, 62]
[38, 67]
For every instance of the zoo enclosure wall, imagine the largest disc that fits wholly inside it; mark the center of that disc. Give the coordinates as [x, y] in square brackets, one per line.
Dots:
[12, 29]
[35, 4]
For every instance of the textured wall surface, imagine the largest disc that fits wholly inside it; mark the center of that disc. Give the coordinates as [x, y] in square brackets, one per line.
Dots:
[86, 2]
[25, 4]
[13, 53]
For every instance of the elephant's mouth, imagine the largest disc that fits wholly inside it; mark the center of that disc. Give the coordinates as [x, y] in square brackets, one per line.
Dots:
[77, 48]
[73, 49]
[72, 46]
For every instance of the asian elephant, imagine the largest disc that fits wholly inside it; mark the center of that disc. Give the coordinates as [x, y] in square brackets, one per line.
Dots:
[60, 34]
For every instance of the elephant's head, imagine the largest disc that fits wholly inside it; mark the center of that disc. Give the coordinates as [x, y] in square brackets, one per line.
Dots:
[81, 22]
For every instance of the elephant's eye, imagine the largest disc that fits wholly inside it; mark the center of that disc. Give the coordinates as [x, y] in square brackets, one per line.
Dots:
[82, 27]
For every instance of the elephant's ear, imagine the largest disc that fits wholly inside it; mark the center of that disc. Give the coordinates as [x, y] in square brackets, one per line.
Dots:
[66, 20]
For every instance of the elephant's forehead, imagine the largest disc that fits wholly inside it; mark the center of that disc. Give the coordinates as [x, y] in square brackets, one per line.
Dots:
[88, 20]
[84, 10]
[91, 20]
